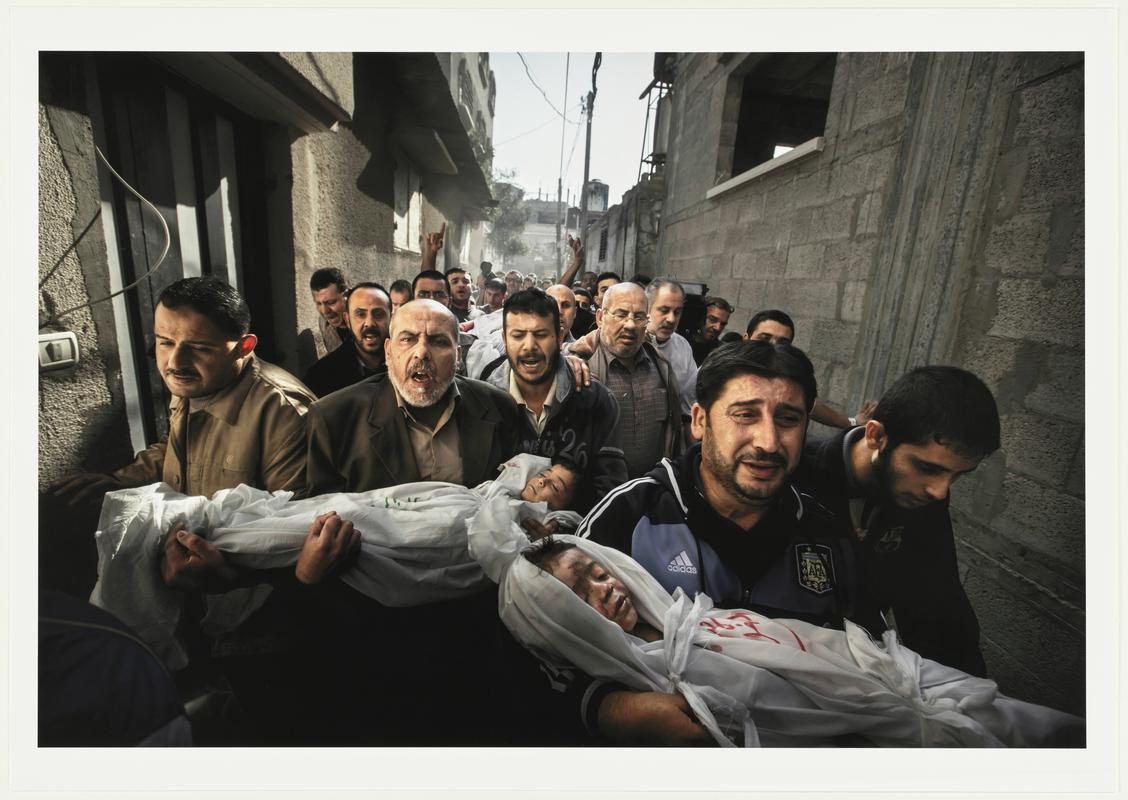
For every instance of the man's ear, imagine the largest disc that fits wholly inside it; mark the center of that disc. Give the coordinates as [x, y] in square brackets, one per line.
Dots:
[698, 417]
[876, 438]
[599, 317]
[246, 344]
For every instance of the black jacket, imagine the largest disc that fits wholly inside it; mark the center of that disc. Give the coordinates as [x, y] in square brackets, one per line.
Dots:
[908, 561]
[336, 370]
[581, 432]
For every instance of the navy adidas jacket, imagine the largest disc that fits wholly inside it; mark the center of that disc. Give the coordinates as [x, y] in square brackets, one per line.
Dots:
[795, 563]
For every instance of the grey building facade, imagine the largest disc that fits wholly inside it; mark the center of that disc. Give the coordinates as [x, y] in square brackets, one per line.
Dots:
[909, 209]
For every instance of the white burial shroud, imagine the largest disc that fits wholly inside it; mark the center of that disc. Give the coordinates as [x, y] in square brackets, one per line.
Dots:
[750, 679]
[413, 545]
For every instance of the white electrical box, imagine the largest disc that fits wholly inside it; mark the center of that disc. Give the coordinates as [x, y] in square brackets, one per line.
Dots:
[57, 350]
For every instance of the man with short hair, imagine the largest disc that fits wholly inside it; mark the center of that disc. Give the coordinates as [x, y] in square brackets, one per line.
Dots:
[726, 519]
[512, 282]
[493, 295]
[400, 293]
[328, 287]
[430, 284]
[583, 298]
[639, 378]
[889, 483]
[603, 282]
[418, 422]
[667, 301]
[566, 302]
[588, 281]
[576, 429]
[369, 310]
[776, 327]
[233, 418]
[460, 290]
[708, 336]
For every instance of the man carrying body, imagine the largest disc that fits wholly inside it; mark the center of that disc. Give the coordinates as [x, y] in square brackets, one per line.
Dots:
[328, 287]
[639, 378]
[425, 674]
[233, 418]
[725, 518]
[368, 309]
[776, 327]
[577, 429]
[708, 336]
[888, 483]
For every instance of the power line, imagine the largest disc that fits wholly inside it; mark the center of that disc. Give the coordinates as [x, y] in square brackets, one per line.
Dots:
[539, 89]
[532, 130]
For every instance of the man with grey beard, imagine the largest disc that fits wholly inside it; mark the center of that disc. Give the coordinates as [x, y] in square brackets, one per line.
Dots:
[427, 674]
[419, 422]
[639, 378]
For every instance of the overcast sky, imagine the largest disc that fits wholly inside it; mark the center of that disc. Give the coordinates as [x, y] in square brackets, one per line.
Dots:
[526, 134]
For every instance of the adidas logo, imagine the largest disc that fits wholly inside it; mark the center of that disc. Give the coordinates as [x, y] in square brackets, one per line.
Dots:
[681, 563]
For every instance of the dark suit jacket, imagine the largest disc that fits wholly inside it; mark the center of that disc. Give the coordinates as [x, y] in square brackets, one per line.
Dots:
[358, 438]
[335, 371]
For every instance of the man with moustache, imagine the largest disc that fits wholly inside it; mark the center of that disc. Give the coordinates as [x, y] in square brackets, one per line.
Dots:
[369, 310]
[725, 519]
[460, 289]
[708, 337]
[640, 380]
[233, 418]
[566, 302]
[424, 675]
[667, 301]
[576, 429]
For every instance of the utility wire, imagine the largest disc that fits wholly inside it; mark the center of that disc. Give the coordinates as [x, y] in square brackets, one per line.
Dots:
[539, 89]
[160, 259]
[532, 130]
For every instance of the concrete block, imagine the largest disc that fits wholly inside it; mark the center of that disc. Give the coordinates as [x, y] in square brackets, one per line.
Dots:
[813, 189]
[979, 496]
[993, 359]
[851, 260]
[780, 198]
[811, 298]
[798, 221]
[862, 173]
[751, 208]
[880, 99]
[832, 221]
[1006, 186]
[1076, 484]
[1055, 175]
[869, 215]
[759, 263]
[1060, 391]
[709, 220]
[1052, 108]
[853, 301]
[1026, 309]
[1019, 245]
[1035, 66]
[832, 341]
[1048, 657]
[1041, 447]
[1066, 255]
[751, 297]
[1044, 519]
[805, 260]
[730, 214]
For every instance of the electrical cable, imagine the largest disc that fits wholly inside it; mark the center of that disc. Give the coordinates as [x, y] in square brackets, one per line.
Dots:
[532, 130]
[160, 259]
[539, 89]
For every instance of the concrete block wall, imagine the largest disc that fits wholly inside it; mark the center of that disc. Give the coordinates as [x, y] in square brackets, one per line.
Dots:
[82, 422]
[941, 223]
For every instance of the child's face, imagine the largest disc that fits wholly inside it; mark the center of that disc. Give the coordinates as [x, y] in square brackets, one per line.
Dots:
[554, 486]
[595, 586]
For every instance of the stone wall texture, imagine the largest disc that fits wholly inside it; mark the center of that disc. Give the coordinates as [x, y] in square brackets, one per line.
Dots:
[942, 223]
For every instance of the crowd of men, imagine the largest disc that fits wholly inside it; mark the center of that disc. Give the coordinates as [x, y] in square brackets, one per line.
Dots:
[688, 453]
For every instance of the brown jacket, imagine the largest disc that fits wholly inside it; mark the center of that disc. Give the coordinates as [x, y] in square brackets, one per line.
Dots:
[252, 432]
[358, 438]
